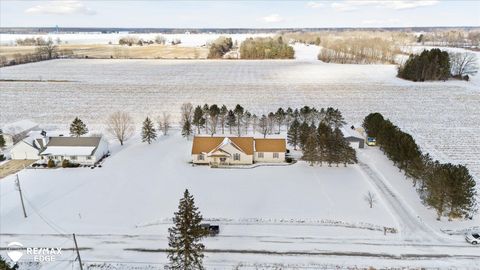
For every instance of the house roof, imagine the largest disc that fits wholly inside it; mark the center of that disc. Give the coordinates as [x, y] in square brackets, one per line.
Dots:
[348, 132]
[207, 144]
[71, 146]
[270, 145]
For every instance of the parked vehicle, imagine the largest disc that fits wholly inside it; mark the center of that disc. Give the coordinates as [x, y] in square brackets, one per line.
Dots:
[213, 230]
[473, 238]
[371, 141]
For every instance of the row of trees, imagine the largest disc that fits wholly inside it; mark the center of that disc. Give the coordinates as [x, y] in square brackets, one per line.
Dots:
[360, 50]
[44, 50]
[323, 144]
[220, 47]
[436, 64]
[448, 188]
[134, 40]
[430, 65]
[215, 119]
[266, 48]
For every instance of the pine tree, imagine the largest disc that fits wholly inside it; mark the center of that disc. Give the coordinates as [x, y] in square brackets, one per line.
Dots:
[324, 134]
[304, 131]
[149, 133]
[206, 110]
[198, 119]
[239, 113]
[186, 129]
[186, 250]
[293, 134]
[310, 149]
[231, 120]
[78, 128]
[5, 266]
[223, 117]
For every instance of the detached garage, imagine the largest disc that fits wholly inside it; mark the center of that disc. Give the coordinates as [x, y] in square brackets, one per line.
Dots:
[24, 150]
[354, 137]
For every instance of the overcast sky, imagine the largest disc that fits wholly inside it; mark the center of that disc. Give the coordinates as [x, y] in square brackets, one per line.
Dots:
[241, 14]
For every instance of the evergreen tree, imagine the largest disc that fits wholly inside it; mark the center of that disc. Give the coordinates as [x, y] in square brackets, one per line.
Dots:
[223, 117]
[293, 135]
[198, 119]
[213, 113]
[5, 266]
[304, 132]
[239, 113]
[373, 124]
[187, 129]
[231, 120]
[310, 149]
[78, 128]
[149, 133]
[280, 118]
[186, 250]
[206, 111]
[324, 135]
[2, 140]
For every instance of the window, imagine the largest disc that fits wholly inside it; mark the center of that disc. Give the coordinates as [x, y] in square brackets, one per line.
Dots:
[275, 155]
[89, 157]
[260, 155]
[201, 157]
[236, 156]
[73, 157]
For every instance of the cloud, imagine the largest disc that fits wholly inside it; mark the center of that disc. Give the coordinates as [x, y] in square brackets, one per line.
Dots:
[313, 4]
[350, 5]
[272, 18]
[61, 8]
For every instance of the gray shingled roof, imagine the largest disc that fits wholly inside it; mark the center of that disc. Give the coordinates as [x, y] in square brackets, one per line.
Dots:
[74, 141]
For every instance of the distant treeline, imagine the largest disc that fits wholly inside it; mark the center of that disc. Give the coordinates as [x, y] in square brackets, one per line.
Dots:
[448, 188]
[266, 48]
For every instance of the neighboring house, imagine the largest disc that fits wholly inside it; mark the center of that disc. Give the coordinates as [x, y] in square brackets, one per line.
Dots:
[237, 150]
[27, 149]
[17, 131]
[354, 137]
[80, 150]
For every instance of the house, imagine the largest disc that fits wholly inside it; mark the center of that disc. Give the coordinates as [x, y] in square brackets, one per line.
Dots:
[237, 150]
[28, 149]
[17, 131]
[79, 150]
[353, 136]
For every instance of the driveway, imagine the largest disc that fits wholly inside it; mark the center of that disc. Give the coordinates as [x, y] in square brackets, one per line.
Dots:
[14, 166]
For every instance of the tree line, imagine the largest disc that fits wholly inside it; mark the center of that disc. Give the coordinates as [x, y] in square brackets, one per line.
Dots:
[44, 50]
[325, 143]
[448, 188]
[435, 64]
[266, 48]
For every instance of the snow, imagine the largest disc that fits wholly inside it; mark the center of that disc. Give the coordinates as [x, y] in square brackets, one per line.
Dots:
[317, 213]
[69, 150]
[18, 127]
[188, 40]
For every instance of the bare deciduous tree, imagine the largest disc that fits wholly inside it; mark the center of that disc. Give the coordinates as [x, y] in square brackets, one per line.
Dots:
[370, 199]
[120, 125]
[164, 123]
[463, 64]
[186, 113]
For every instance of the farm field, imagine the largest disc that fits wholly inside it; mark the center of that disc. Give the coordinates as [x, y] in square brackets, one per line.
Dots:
[313, 212]
[444, 117]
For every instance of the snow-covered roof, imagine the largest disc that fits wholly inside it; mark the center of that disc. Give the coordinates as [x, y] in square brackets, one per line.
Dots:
[349, 132]
[18, 127]
[73, 146]
[69, 150]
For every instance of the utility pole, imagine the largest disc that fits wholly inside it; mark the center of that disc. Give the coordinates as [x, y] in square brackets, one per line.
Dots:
[17, 182]
[78, 253]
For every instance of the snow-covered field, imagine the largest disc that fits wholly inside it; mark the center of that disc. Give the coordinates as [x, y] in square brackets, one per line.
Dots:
[295, 215]
[444, 117]
[188, 40]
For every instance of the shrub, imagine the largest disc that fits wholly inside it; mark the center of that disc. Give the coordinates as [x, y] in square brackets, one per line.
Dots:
[2, 157]
[430, 65]
[65, 163]
[266, 48]
[51, 163]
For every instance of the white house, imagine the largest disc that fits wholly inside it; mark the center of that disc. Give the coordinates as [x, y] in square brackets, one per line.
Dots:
[237, 150]
[80, 150]
[27, 149]
[17, 131]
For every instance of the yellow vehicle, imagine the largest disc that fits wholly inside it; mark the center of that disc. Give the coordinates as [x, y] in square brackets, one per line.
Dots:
[371, 141]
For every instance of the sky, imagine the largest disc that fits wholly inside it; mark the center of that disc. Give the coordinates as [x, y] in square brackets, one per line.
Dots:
[239, 14]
